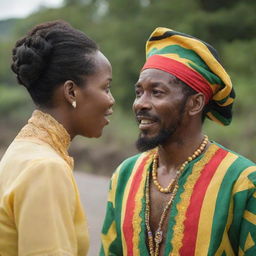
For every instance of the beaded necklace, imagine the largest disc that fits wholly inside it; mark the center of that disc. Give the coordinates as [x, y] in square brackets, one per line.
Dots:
[169, 188]
[155, 241]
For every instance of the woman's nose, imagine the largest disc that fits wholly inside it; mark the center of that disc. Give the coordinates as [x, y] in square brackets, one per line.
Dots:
[112, 99]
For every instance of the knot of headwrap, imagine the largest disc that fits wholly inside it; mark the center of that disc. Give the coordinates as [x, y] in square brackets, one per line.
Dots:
[197, 64]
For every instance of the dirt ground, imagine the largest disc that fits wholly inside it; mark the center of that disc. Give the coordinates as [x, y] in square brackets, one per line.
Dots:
[93, 192]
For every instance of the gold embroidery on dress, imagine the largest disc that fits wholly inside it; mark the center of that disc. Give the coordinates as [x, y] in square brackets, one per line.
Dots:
[178, 229]
[44, 127]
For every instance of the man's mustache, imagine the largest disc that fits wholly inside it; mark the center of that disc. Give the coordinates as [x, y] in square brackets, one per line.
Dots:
[145, 113]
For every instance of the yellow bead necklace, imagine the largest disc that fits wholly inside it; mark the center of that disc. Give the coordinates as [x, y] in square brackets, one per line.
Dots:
[169, 188]
[155, 240]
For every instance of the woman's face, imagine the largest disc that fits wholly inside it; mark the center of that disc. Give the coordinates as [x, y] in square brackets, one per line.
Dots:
[94, 100]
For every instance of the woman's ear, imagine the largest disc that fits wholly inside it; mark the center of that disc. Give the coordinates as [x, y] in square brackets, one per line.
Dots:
[70, 92]
[196, 104]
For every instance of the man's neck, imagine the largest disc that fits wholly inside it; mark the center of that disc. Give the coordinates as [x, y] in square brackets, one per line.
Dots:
[173, 154]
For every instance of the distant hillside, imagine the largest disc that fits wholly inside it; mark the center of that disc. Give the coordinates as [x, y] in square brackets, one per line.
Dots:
[7, 27]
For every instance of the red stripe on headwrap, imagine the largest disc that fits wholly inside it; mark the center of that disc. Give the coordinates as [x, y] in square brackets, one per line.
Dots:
[181, 71]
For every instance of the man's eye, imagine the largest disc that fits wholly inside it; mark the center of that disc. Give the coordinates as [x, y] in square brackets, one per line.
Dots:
[138, 93]
[157, 92]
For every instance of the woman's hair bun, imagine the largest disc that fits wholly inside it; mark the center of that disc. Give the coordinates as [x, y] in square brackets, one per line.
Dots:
[30, 58]
[50, 54]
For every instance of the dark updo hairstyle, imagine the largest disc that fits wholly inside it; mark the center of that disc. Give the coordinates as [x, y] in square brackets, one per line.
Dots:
[50, 54]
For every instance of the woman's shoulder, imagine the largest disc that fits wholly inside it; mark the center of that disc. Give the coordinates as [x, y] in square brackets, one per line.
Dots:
[25, 157]
[26, 163]
[31, 150]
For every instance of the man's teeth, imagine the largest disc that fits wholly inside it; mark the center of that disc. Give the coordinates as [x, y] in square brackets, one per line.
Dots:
[143, 121]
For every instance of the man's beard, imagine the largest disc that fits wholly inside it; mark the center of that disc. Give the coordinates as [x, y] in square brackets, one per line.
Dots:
[144, 143]
[164, 135]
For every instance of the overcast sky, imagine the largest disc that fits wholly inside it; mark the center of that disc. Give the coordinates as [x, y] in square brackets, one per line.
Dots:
[22, 8]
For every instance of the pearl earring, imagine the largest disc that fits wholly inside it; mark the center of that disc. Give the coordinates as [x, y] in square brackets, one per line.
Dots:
[74, 104]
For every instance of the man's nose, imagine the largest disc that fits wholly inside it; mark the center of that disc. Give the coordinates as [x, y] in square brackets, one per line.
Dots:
[142, 102]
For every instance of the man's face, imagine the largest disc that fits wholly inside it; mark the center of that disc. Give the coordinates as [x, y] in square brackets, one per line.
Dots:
[159, 108]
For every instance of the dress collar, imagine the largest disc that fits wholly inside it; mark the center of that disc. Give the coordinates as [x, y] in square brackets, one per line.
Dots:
[44, 127]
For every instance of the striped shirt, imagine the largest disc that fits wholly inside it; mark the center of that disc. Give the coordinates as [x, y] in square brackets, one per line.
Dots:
[213, 213]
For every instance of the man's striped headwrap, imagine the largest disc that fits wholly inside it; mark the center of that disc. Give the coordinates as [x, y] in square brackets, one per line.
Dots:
[196, 63]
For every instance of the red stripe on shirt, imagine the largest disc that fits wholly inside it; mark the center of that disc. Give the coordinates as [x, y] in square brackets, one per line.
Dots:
[193, 212]
[130, 206]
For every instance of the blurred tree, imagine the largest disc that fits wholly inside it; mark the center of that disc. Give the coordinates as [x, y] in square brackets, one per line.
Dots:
[123, 9]
[72, 2]
[213, 5]
[226, 25]
[6, 76]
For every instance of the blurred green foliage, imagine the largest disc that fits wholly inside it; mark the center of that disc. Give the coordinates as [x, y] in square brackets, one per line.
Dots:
[121, 29]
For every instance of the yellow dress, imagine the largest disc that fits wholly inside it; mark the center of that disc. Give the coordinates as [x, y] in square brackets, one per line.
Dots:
[40, 208]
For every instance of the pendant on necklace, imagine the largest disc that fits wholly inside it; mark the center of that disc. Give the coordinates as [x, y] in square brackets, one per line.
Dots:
[158, 236]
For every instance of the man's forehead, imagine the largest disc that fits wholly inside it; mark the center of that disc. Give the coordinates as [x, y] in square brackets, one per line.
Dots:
[156, 76]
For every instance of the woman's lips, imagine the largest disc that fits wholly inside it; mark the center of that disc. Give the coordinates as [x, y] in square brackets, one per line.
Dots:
[109, 113]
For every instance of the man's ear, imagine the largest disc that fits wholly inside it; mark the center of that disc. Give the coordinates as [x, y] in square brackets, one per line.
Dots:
[195, 104]
[70, 91]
